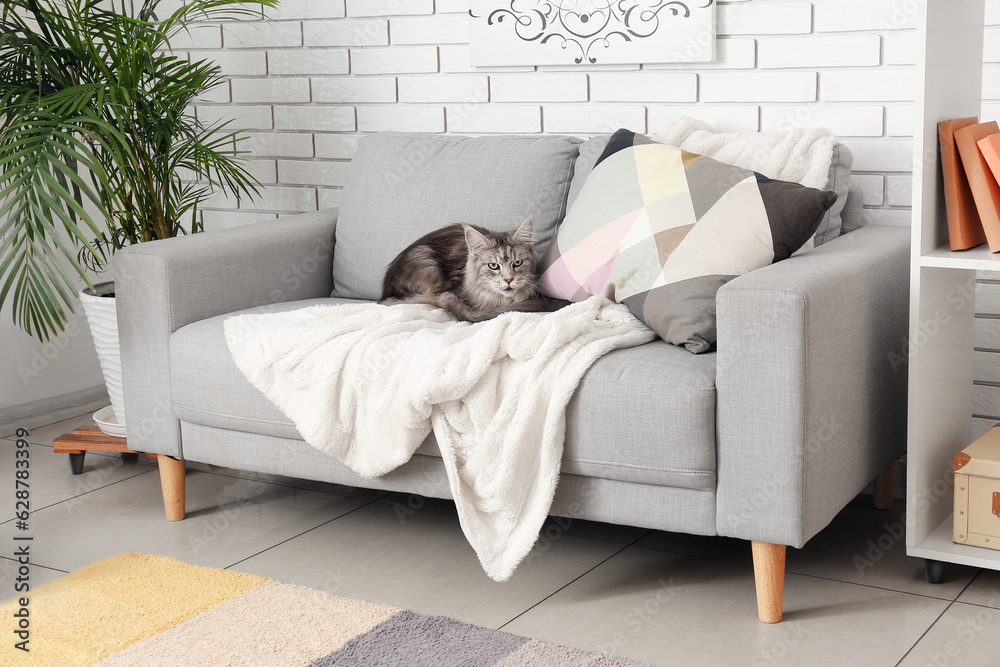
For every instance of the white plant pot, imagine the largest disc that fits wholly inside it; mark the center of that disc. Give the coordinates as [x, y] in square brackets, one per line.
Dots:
[102, 316]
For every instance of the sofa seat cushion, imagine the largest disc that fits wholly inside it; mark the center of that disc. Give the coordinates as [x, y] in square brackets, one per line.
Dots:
[643, 414]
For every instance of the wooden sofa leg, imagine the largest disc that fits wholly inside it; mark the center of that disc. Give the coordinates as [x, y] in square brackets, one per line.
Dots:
[172, 486]
[769, 576]
[884, 488]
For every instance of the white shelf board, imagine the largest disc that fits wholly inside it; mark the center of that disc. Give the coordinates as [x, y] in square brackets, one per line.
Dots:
[940, 545]
[976, 259]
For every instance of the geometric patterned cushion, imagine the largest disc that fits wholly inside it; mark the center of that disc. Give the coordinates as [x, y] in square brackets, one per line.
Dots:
[661, 230]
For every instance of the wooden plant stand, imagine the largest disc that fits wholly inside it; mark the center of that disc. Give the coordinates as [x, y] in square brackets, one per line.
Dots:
[87, 439]
[90, 438]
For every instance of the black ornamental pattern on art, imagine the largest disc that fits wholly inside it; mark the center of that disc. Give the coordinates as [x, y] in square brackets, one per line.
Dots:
[588, 26]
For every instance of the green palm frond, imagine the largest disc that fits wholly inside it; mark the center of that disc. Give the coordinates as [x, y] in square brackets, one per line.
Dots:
[95, 131]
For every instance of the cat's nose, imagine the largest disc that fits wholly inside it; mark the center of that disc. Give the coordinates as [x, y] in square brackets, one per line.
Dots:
[508, 280]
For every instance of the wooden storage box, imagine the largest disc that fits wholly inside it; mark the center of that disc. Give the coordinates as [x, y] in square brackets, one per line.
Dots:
[977, 492]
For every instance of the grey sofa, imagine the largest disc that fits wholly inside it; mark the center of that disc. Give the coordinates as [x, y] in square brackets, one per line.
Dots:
[765, 439]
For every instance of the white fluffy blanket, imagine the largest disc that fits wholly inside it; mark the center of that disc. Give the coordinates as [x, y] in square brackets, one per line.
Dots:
[366, 383]
[801, 155]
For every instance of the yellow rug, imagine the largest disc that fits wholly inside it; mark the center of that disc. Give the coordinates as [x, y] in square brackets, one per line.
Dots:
[139, 609]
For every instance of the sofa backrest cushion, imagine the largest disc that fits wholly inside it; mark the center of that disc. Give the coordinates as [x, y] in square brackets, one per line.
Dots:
[837, 180]
[853, 215]
[402, 186]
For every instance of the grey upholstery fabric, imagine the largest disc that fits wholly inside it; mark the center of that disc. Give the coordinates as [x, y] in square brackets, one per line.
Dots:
[209, 389]
[801, 407]
[590, 153]
[594, 499]
[812, 405]
[853, 215]
[668, 394]
[837, 180]
[403, 186]
[163, 285]
[268, 454]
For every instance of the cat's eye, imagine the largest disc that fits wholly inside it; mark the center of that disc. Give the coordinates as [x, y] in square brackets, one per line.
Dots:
[494, 266]
[518, 263]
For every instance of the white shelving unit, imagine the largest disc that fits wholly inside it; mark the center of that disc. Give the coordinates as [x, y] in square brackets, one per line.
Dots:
[942, 311]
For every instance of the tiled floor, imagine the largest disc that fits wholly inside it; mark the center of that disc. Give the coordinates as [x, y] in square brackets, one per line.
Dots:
[852, 597]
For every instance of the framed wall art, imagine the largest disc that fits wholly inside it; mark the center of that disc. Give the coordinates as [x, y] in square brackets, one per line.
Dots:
[590, 32]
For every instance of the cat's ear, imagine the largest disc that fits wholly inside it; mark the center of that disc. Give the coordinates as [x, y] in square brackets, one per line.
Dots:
[523, 234]
[476, 240]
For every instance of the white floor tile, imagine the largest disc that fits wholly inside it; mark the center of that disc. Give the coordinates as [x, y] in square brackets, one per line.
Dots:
[228, 519]
[670, 609]
[50, 479]
[985, 590]
[422, 561]
[965, 636]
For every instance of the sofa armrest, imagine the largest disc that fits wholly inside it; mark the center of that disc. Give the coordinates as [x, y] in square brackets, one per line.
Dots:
[161, 286]
[812, 384]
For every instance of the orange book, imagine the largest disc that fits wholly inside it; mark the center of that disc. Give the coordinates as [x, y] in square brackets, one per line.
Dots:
[990, 148]
[965, 230]
[985, 189]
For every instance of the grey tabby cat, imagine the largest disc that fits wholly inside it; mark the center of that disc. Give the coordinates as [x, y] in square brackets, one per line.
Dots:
[471, 272]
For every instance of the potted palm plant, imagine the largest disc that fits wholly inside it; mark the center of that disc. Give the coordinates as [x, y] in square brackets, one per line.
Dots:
[99, 148]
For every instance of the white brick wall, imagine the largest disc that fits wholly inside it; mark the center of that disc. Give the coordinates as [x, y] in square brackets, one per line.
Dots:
[315, 118]
[387, 7]
[845, 15]
[254, 35]
[887, 85]
[307, 9]
[278, 144]
[277, 91]
[308, 61]
[443, 29]
[336, 146]
[355, 89]
[401, 118]
[320, 74]
[538, 87]
[302, 172]
[434, 88]
[644, 87]
[724, 118]
[730, 53]
[235, 63]
[821, 51]
[603, 119]
[487, 119]
[765, 18]
[758, 86]
[199, 37]
[844, 121]
[242, 117]
[398, 60]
